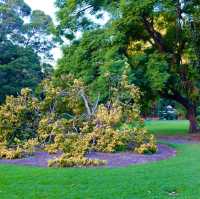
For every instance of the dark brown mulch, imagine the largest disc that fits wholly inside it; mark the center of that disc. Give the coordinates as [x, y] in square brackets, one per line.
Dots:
[39, 159]
[128, 158]
[114, 159]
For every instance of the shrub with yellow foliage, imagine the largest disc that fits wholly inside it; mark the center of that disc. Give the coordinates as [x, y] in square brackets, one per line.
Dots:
[114, 126]
[18, 123]
[67, 160]
[65, 120]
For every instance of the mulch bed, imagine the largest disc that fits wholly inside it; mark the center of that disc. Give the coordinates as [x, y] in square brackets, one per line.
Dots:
[122, 159]
[129, 158]
[39, 159]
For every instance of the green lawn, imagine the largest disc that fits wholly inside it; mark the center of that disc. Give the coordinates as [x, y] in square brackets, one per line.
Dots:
[178, 177]
[166, 127]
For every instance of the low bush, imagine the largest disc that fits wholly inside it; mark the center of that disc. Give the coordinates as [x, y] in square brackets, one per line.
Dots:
[68, 160]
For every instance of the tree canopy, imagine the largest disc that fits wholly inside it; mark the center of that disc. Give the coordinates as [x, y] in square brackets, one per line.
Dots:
[159, 39]
[17, 70]
[25, 45]
[24, 27]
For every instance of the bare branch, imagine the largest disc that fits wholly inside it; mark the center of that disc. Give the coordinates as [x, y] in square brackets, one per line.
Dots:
[84, 9]
[94, 108]
[82, 94]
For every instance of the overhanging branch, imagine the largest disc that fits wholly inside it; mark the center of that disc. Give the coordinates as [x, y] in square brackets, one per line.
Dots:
[155, 35]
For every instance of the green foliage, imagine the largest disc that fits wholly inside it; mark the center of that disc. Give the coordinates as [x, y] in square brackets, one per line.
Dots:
[159, 39]
[36, 34]
[157, 72]
[92, 58]
[19, 68]
[23, 47]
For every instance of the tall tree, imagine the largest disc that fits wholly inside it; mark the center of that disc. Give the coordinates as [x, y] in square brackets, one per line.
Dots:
[25, 44]
[159, 38]
[38, 34]
[19, 68]
[27, 28]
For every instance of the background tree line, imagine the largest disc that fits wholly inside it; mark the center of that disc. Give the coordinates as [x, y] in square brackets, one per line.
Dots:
[25, 44]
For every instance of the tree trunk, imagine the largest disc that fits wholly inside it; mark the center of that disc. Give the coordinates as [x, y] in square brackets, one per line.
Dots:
[189, 106]
[191, 116]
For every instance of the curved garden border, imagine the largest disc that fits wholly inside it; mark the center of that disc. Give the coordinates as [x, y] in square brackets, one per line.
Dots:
[121, 159]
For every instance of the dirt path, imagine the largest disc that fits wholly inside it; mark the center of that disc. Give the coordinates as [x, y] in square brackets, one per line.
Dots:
[181, 139]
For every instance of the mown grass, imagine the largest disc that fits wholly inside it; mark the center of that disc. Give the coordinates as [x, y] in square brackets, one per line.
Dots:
[177, 177]
[168, 127]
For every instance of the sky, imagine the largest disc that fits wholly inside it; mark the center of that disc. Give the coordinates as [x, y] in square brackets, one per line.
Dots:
[48, 7]
[45, 5]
